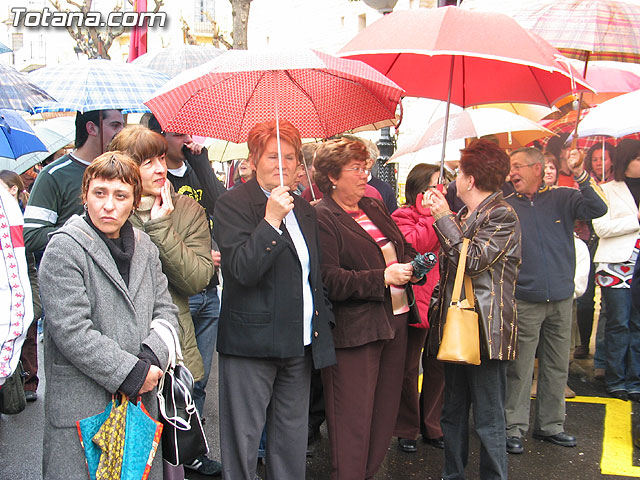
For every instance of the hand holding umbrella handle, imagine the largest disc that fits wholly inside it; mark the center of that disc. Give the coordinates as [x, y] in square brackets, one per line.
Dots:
[280, 203]
[574, 162]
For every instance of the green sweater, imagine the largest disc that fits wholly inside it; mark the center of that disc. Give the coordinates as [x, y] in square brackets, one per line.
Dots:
[54, 198]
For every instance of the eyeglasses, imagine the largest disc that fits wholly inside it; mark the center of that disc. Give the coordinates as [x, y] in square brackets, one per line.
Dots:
[517, 168]
[360, 170]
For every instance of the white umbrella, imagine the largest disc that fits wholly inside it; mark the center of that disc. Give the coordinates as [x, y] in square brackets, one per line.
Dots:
[616, 117]
[511, 130]
[55, 134]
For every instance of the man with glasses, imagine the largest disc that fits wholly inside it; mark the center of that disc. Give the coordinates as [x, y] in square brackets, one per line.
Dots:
[544, 293]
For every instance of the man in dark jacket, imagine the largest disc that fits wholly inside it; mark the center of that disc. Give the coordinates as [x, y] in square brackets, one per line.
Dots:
[544, 293]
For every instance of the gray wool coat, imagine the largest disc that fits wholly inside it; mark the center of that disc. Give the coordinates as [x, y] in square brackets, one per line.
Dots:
[94, 329]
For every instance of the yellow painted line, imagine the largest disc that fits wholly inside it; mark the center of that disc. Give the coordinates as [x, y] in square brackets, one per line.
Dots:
[617, 444]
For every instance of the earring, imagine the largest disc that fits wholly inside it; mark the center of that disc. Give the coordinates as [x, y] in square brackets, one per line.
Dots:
[469, 187]
[333, 186]
[85, 206]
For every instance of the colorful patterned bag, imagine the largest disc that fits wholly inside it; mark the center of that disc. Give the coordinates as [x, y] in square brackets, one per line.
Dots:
[124, 441]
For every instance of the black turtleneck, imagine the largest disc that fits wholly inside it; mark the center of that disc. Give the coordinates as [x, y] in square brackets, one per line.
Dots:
[634, 186]
[121, 248]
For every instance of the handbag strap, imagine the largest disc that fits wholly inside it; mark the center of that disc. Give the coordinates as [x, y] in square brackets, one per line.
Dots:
[460, 277]
[169, 336]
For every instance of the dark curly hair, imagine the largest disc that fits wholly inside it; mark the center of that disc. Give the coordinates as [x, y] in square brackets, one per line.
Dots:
[332, 157]
[487, 163]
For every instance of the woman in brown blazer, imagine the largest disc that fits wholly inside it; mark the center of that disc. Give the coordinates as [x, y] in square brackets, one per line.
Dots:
[365, 267]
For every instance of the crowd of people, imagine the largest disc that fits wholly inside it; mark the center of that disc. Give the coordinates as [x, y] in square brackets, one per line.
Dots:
[324, 313]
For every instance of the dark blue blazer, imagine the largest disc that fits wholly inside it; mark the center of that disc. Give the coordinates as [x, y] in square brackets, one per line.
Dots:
[261, 313]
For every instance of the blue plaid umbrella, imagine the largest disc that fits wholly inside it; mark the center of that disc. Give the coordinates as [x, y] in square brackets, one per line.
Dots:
[4, 48]
[97, 85]
[17, 138]
[17, 92]
[174, 60]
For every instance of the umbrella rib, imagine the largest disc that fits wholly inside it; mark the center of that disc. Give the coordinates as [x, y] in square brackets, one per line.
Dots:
[305, 93]
[246, 104]
[356, 84]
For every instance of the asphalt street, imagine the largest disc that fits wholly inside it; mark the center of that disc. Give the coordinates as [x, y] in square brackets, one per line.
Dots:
[602, 426]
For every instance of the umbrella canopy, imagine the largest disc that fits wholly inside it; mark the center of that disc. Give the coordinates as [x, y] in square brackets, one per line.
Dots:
[17, 92]
[225, 151]
[456, 55]
[586, 29]
[320, 94]
[610, 79]
[527, 110]
[17, 138]
[97, 85]
[54, 134]
[614, 117]
[511, 130]
[425, 53]
[4, 48]
[176, 59]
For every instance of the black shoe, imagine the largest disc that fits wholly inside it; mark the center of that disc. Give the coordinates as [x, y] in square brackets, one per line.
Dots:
[205, 466]
[634, 397]
[30, 395]
[407, 445]
[581, 352]
[563, 439]
[434, 442]
[514, 445]
[619, 394]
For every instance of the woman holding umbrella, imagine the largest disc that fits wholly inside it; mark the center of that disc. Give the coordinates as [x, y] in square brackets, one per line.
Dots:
[493, 260]
[102, 285]
[275, 319]
[366, 267]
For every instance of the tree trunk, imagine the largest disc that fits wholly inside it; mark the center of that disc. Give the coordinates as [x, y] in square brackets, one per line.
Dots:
[240, 13]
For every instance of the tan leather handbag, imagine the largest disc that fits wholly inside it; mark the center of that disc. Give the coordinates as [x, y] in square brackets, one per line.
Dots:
[461, 334]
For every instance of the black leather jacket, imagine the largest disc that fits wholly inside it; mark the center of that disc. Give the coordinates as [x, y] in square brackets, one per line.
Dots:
[493, 260]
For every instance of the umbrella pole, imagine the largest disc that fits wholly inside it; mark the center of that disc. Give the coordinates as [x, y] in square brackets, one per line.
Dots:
[446, 124]
[574, 142]
[603, 151]
[278, 138]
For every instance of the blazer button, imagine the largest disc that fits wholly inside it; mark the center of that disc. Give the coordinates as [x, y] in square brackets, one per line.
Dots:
[315, 334]
[273, 242]
[268, 249]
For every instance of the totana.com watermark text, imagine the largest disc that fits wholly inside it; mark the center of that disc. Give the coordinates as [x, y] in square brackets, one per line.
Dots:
[46, 18]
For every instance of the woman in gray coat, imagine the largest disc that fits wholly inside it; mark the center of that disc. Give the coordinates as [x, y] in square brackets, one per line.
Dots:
[101, 285]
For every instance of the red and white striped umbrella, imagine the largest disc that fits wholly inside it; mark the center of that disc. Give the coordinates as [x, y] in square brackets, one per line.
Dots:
[582, 29]
[320, 94]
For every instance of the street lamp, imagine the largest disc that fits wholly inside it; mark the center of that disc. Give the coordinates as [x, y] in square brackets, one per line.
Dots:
[386, 145]
[382, 6]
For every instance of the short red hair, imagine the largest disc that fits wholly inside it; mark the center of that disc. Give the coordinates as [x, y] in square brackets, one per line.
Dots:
[261, 133]
[487, 163]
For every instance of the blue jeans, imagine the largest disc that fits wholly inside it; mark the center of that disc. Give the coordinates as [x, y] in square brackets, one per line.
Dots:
[600, 357]
[205, 310]
[622, 341]
[484, 387]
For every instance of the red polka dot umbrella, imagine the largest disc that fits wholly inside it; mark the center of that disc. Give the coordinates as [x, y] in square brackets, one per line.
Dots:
[320, 94]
